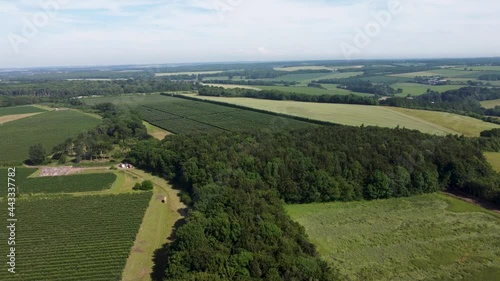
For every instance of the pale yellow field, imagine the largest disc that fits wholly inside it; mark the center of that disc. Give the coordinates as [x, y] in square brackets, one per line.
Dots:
[233, 86]
[413, 74]
[468, 126]
[187, 73]
[494, 159]
[156, 132]
[10, 118]
[490, 103]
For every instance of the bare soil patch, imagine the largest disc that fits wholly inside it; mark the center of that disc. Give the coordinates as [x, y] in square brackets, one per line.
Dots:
[59, 171]
[10, 118]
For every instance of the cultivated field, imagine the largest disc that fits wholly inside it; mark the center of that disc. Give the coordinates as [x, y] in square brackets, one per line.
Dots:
[4, 111]
[429, 237]
[493, 159]
[468, 126]
[296, 68]
[74, 238]
[356, 115]
[9, 118]
[28, 182]
[187, 73]
[49, 129]
[420, 89]
[448, 73]
[130, 100]
[307, 78]
[186, 116]
[228, 86]
[330, 90]
[490, 103]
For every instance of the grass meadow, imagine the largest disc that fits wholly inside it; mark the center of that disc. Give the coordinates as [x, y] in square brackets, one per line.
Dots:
[330, 90]
[307, 78]
[428, 237]
[468, 126]
[490, 103]
[494, 160]
[49, 129]
[420, 89]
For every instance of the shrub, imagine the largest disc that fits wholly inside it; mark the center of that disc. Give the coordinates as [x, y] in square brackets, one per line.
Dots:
[147, 185]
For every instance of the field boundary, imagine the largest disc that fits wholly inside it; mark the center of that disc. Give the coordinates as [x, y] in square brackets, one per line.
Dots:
[317, 122]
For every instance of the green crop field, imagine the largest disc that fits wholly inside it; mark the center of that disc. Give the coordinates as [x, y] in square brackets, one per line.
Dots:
[307, 78]
[59, 184]
[129, 100]
[4, 111]
[356, 115]
[485, 68]
[330, 90]
[420, 89]
[490, 103]
[49, 129]
[428, 237]
[187, 73]
[186, 116]
[448, 73]
[305, 67]
[494, 159]
[387, 79]
[74, 238]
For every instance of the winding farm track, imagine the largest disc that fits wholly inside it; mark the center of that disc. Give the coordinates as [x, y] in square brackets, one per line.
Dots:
[156, 228]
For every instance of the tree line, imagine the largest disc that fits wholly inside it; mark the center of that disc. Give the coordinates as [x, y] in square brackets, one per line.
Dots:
[464, 101]
[237, 228]
[252, 82]
[360, 86]
[120, 126]
[280, 95]
[57, 91]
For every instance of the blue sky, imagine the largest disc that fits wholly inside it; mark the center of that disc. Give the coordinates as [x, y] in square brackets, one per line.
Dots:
[105, 32]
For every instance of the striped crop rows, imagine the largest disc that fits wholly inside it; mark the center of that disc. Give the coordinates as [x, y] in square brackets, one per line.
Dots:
[75, 238]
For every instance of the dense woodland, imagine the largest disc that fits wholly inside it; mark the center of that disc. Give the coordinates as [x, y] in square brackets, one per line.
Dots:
[119, 126]
[237, 227]
[58, 91]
